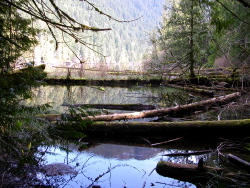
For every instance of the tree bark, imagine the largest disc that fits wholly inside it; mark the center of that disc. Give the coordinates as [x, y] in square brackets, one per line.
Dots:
[173, 111]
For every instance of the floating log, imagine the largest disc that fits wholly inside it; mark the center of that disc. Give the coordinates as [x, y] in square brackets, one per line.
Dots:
[173, 111]
[132, 107]
[188, 172]
[201, 176]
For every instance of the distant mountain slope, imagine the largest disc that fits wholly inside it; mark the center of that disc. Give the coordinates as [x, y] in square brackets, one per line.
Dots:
[124, 45]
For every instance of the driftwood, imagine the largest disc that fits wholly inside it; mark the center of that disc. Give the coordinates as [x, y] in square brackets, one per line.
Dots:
[239, 162]
[173, 111]
[134, 107]
[193, 129]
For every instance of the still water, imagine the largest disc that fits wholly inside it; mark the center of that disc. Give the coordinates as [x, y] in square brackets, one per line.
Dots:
[111, 166]
[160, 97]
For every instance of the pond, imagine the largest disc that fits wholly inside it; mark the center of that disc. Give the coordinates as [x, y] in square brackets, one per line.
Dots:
[160, 97]
[105, 164]
[112, 165]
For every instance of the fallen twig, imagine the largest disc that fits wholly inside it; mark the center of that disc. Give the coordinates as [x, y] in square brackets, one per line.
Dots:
[166, 141]
[189, 153]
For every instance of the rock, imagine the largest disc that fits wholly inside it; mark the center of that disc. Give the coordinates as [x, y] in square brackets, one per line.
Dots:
[57, 169]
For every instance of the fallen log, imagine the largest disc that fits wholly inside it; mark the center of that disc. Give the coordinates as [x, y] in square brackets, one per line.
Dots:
[199, 176]
[49, 117]
[192, 129]
[42, 67]
[193, 89]
[132, 107]
[188, 153]
[239, 162]
[188, 172]
[214, 88]
[173, 111]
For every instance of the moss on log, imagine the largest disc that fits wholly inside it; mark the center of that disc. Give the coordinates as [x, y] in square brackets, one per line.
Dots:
[187, 172]
[193, 89]
[193, 129]
[200, 176]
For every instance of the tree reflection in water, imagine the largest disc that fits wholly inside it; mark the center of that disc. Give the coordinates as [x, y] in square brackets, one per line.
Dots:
[110, 165]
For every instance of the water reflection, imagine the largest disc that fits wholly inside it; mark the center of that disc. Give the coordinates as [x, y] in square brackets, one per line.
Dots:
[122, 152]
[158, 96]
[111, 165]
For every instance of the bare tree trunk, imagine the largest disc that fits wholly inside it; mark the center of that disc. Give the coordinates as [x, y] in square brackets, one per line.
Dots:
[191, 55]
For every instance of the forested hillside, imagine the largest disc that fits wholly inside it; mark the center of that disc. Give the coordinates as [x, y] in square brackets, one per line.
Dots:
[123, 46]
[198, 34]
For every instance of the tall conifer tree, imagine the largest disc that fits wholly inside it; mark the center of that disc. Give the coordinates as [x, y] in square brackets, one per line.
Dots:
[184, 36]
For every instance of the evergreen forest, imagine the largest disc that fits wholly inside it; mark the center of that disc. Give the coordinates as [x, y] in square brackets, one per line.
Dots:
[121, 48]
